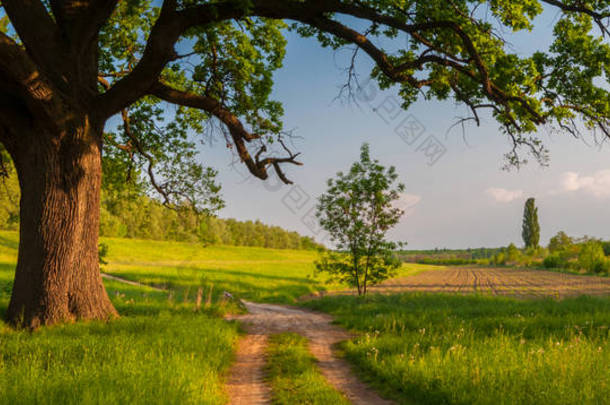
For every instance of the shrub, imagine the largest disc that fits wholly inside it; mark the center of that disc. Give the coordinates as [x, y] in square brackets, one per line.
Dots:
[602, 267]
[606, 247]
[499, 259]
[592, 257]
[512, 253]
[560, 242]
[555, 261]
[102, 252]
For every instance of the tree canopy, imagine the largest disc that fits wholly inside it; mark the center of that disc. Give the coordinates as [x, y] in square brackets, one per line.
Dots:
[217, 58]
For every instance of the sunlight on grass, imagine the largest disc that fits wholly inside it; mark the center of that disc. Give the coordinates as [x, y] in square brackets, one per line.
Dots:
[265, 275]
[435, 349]
[294, 376]
[417, 348]
[256, 274]
[160, 351]
[168, 358]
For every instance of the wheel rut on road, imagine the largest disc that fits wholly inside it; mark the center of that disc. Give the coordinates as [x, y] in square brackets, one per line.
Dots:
[247, 384]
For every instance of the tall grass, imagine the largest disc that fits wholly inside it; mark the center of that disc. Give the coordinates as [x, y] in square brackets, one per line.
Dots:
[294, 375]
[170, 358]
[159, 351]
[442, 349]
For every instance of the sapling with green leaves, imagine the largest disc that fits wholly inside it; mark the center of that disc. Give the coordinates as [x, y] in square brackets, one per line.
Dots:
[358, 210]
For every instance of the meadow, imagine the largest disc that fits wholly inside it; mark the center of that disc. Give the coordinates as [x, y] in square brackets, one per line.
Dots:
[256, 274]
[474, 349]
[162, 349]
[159, 351]
[251, 273]
[413, 347]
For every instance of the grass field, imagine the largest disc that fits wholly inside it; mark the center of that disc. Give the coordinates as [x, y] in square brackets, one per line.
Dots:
[452, 349]
[264, 275]
[256, 274]
[294, 376]
[159, 351]
[420, 348]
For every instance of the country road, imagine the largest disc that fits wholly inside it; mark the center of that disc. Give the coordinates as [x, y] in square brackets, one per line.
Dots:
[247, 384]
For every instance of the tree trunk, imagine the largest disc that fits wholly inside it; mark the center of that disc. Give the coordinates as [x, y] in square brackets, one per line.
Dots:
[58, 277]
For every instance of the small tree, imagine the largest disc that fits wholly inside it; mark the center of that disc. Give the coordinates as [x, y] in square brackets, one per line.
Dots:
[531, 228]
[560, 242]
[592, 258]
[357, 210]
[512, 253]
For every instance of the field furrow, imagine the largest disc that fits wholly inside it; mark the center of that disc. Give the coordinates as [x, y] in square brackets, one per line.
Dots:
[522, 283]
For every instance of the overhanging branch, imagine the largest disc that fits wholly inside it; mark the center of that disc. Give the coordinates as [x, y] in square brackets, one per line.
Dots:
[578, 7]
[239, 135]
[159, 50]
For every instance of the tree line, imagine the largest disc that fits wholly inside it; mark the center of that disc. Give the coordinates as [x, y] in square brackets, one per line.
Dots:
[128, 212]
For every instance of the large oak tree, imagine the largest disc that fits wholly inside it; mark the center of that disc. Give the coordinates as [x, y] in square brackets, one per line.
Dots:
[67, 67]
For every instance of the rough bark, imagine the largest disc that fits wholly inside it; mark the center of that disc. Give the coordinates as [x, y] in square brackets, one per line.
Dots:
[57, 277]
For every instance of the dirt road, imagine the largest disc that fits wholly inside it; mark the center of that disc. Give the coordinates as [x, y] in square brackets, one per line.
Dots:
[246, 383]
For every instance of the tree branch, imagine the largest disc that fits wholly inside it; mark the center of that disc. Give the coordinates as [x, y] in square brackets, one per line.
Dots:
[81, 20]
[160, 50]
[239, 134]
[38, 32]
[578, 7]
[22, 79]
[173, 23]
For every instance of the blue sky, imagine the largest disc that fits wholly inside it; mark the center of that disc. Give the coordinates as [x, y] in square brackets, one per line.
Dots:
[464, 200]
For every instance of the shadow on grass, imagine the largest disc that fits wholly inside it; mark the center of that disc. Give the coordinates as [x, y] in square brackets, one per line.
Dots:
[286, 290]
[255, 275]
[9, 243]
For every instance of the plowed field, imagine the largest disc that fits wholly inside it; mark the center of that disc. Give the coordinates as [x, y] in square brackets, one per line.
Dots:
[499, 281]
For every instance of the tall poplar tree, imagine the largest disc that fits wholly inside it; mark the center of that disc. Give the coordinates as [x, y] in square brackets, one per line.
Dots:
[531, 227]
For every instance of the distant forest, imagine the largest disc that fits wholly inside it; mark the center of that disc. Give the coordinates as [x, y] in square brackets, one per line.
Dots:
[128, 212]
[472, 254]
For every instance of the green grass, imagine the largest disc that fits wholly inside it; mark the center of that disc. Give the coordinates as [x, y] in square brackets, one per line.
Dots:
[294, 375]
[256, 274]
[160, 351]
[449, 349]
[429, 349]
[264, 275]
[170, 358]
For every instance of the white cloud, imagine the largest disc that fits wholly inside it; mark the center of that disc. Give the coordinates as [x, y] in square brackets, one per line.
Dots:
[407, 202]
[597, 184]
[503, 195]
